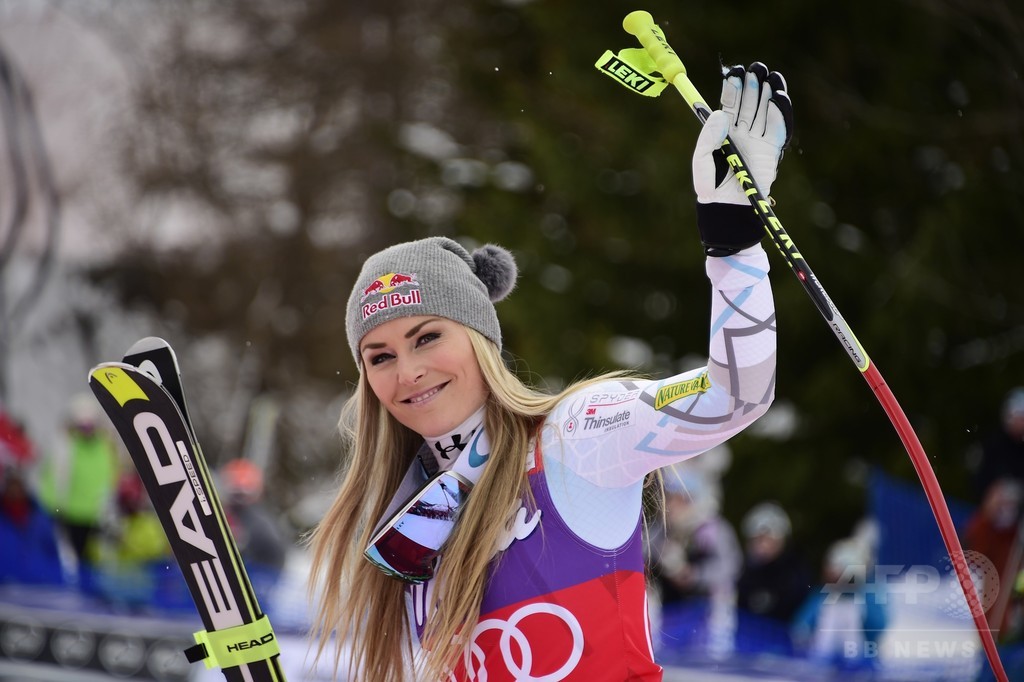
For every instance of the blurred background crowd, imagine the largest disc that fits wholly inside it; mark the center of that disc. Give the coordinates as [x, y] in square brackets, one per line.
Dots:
[78, 516]
[75, 518]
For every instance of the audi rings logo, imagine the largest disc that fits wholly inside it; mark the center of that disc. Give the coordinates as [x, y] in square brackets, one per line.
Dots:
[509, 629]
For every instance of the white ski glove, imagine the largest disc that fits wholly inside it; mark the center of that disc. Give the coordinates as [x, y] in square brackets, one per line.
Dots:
[757, 115]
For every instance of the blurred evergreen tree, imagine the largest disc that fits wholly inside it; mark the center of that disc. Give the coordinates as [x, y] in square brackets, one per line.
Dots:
[488, 122]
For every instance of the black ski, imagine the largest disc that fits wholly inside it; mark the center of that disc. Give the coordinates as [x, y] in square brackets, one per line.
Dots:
[157, 434]
[155, 357]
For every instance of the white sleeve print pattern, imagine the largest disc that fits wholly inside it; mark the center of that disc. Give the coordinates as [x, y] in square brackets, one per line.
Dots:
[612, 434]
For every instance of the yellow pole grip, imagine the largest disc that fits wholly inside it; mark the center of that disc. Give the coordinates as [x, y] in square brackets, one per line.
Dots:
[641, 24]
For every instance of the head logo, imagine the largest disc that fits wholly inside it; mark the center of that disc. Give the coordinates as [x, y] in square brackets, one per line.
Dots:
[170, 460]
[388, 283]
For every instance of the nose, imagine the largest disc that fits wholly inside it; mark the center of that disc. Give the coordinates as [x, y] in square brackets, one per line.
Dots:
[410, 370]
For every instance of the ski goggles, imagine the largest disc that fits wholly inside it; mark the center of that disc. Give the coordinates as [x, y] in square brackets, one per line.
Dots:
[406, 546]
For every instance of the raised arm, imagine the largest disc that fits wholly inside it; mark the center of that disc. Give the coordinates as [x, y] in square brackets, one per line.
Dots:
[616, 433]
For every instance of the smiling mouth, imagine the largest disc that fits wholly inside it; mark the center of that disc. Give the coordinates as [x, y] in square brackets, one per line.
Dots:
[426, 395]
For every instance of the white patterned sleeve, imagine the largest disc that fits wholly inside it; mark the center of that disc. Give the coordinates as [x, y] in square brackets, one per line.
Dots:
[614, 433]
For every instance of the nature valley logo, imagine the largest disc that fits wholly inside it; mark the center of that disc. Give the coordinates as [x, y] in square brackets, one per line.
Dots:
[667, 395]
[387, 283]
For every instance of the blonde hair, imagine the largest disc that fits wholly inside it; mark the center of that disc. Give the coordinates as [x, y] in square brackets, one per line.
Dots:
[356, 601]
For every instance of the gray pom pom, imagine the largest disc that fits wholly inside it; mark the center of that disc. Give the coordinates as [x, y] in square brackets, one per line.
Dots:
[496, 268]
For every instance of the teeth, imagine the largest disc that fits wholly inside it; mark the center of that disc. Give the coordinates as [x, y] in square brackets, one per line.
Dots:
[424, 396]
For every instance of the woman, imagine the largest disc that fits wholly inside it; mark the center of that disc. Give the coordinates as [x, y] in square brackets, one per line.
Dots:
[542, 575]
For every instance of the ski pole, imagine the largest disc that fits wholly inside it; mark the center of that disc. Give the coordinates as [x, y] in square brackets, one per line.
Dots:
[641, 25]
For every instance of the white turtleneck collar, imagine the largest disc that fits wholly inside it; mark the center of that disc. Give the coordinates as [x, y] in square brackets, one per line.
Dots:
[446, 448]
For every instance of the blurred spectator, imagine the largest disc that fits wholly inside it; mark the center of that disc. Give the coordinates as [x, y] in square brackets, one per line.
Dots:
[131, 553]
[261, 538]
[28, 542]
[840, 624]
[78, 478]
[696, 555]
[15, 445]
[993, 531]
[141, 536]
[1000, 454]
[775, 579]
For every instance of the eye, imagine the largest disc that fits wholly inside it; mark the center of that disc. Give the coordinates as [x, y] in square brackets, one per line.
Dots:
[427, 338]
[379, 358]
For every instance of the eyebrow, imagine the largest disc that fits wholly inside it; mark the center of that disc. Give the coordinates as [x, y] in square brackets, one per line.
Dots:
[409, 334]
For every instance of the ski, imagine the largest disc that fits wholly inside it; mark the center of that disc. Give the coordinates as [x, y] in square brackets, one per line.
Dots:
[158, 436]
[155, 357]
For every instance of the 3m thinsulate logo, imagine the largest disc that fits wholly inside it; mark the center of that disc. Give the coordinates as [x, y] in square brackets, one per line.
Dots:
[608, 422]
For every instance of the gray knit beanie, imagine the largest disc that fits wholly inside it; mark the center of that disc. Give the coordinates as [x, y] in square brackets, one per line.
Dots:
[433, 276]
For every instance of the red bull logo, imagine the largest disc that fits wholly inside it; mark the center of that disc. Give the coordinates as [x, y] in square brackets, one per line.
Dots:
[386, 286]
